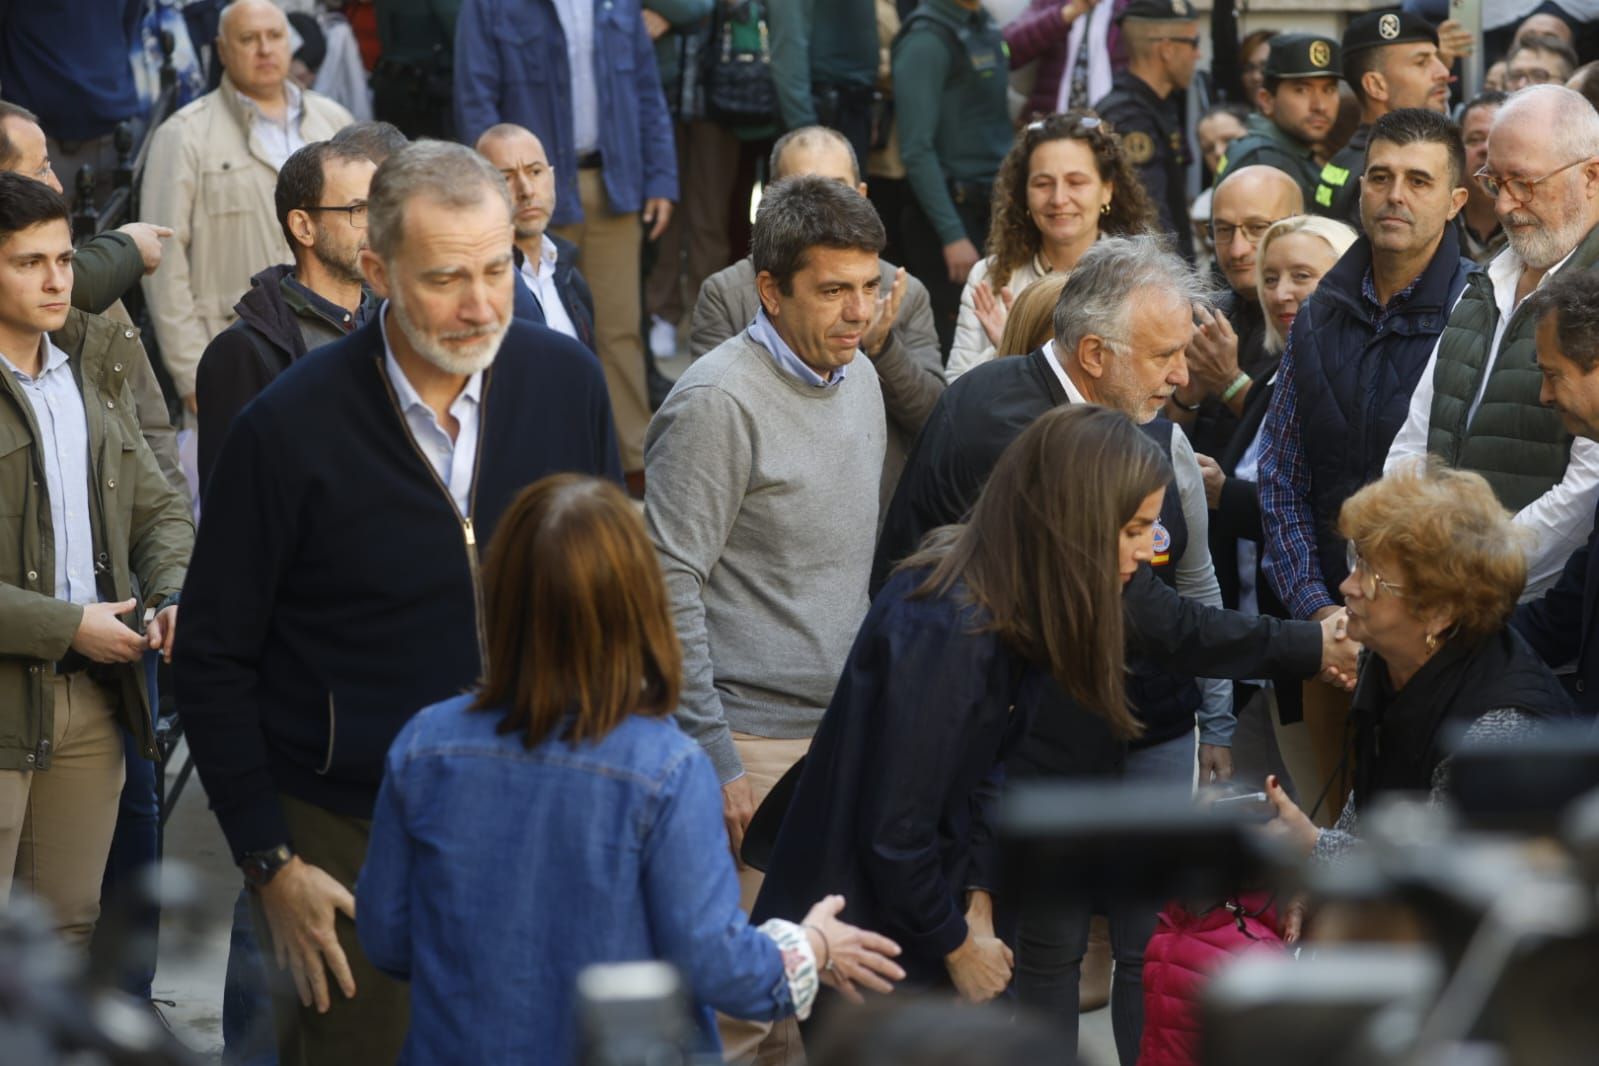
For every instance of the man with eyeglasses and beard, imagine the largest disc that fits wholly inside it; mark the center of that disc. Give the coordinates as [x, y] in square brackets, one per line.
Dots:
[335, 584]
[1477, 403]
[291, 309]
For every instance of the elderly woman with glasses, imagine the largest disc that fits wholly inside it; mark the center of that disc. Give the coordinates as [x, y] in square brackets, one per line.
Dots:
[1435, 569]
[1064, 183]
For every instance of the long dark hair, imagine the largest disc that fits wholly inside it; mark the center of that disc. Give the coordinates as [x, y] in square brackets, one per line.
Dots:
[1013, 239]
[1039, 552]
[577, 614]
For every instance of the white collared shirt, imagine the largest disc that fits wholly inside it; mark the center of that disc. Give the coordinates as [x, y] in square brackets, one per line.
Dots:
[279, 140]
[577, 25]
[1072, 392]
[1561, 518]
[539, 277]
[454, 461]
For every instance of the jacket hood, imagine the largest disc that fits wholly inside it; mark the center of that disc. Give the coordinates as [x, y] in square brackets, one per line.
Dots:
[264, 309]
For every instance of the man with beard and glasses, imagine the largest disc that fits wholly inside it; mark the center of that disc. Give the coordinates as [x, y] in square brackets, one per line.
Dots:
[335, 585]
[291, 309]
[1476, 405]
[545, 263]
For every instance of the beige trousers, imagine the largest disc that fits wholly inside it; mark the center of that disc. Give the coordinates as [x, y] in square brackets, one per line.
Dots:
[765, 759]
[56, 824]
[610, 248]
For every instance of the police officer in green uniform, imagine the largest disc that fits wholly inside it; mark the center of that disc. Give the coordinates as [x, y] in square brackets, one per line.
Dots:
[1391, 60]
[951, 70]
[1162, 41]
[1300, 104]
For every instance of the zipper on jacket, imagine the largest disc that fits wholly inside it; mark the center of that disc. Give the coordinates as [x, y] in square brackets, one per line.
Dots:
[468, 533]
[333, 731]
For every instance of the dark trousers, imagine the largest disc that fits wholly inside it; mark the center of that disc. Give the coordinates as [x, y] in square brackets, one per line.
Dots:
[924, 259]
[247, 1026]
[125, 942]
[368, 1030]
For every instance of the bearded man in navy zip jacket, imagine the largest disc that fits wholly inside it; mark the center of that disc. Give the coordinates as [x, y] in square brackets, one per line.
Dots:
[335, 587]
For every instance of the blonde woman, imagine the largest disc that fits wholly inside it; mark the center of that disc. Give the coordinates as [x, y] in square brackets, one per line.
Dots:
[1064, 183]
[1032, 317]
[1293, 256]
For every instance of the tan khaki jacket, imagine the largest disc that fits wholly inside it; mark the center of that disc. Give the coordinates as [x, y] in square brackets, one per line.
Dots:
[208, 178]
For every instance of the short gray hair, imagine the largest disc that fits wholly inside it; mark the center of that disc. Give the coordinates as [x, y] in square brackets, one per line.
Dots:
[449, 174]
[801, 213]
[1098, 296]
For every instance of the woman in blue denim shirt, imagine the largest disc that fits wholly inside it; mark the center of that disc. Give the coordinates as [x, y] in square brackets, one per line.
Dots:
[557, 818]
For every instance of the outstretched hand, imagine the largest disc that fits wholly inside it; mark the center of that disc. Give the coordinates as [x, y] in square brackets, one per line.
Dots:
[849, 956]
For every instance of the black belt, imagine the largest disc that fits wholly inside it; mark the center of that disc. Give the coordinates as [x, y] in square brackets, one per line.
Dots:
[589, 161]
[71, 663]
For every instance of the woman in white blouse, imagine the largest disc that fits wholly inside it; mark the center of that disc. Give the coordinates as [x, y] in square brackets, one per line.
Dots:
[1064, 182]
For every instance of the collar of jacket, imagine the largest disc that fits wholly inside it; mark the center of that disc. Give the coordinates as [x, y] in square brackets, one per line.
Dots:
[1265, 127]
[90, 342]
[228, 94]
[1429, 302]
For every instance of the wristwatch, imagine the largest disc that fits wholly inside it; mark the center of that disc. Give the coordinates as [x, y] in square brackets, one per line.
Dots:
[260, 867]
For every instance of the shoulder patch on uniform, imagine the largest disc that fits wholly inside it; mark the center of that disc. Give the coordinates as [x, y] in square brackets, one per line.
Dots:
[1140, 148]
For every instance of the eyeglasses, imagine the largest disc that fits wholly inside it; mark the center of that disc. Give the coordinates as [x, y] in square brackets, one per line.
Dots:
[1520, 189]
[1370, 580]
[1083, 122]
[1254, 230]
[355, 212]
[1520, 79]
[1192, 42]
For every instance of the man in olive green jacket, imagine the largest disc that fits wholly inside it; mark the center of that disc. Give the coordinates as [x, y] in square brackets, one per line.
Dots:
[95, 537]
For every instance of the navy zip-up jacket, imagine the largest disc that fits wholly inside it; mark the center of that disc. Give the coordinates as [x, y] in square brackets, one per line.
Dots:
[335, 589]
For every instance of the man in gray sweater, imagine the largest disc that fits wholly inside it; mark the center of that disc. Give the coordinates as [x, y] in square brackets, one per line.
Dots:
[762, 473]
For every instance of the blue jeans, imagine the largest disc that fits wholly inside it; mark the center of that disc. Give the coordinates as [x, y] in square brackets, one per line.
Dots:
[1050, 948]
[247, 1026]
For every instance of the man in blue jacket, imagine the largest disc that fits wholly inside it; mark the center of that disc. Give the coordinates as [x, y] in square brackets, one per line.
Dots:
[581, 75]
[336, 585]
[1357, 348]
[1561, 626]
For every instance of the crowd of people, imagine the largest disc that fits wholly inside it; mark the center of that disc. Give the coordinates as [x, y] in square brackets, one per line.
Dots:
[1058, 434]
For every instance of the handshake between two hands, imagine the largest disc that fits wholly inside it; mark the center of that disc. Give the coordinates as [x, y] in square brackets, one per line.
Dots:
[1339, 654]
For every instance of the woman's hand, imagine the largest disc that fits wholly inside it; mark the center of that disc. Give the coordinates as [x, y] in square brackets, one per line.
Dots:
[847, 956]
[1294, 920]
[992, 312]
[1210, 470]
[1290, 824]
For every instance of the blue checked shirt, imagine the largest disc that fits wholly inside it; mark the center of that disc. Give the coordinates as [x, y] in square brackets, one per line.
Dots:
[1291, 565]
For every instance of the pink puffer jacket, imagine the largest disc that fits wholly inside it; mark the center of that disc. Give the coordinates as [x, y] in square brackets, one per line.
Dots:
[1185, 950]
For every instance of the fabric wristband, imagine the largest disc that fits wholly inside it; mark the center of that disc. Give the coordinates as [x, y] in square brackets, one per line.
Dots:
[1236, 387]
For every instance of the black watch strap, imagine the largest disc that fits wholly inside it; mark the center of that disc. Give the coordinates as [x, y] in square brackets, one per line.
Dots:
[260, 867]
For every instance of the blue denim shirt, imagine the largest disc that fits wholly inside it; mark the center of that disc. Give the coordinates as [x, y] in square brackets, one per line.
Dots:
[495, 873]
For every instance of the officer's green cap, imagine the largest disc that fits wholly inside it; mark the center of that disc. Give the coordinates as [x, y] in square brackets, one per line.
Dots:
[1303, 55]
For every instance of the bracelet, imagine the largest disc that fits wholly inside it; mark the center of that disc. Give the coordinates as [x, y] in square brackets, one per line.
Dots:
[1238, 385]
[828, 966]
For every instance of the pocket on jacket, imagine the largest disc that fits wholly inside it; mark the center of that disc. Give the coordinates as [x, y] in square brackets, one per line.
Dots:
[16, 468]
[614, 34]
[523, 56]
[226, 191]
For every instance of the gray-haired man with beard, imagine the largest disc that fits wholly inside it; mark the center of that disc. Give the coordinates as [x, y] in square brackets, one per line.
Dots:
[1476, 405]
[335, 582]
[291, 309]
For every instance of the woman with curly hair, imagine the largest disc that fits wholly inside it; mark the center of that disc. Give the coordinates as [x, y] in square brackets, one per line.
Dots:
[1064, 183]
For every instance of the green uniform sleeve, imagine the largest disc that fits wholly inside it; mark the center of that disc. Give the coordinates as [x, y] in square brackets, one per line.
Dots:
[921, 67]
[104, 267]
[789, 22]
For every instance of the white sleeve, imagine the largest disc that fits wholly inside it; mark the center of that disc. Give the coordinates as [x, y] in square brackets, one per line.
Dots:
[1561, 518]
[970, 345]
[1411, 441]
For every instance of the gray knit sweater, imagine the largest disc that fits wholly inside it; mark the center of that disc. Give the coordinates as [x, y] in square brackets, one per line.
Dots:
[761, 498]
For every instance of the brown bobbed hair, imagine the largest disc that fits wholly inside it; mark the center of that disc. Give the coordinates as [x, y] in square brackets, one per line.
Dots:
[1456, 549]
[579, 628]
[1040, 551]
[1013, 239]
[1031, 321]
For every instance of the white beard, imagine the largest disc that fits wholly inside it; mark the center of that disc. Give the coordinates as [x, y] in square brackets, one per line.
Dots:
[464, 361]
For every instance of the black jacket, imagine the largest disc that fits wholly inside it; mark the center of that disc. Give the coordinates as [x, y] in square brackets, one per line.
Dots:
[1563, 626]
[972, 424]
[335, 589]
[570, 284]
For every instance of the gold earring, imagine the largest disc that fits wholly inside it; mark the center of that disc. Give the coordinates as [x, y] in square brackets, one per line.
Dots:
[1104, 209]
[1432, 643]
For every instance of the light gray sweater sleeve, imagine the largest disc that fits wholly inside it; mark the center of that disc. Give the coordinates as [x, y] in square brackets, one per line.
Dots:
[1196, 580]
[697, 459]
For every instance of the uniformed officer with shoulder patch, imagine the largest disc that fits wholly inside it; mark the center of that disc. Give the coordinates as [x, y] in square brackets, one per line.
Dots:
[1299, 102]
[1162, 41]
[1391, 60]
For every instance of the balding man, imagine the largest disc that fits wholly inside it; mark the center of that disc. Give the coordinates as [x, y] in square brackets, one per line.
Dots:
[211, 177]
[1228, 354]
[546, 264]
[902, 342]
[1477, 404]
